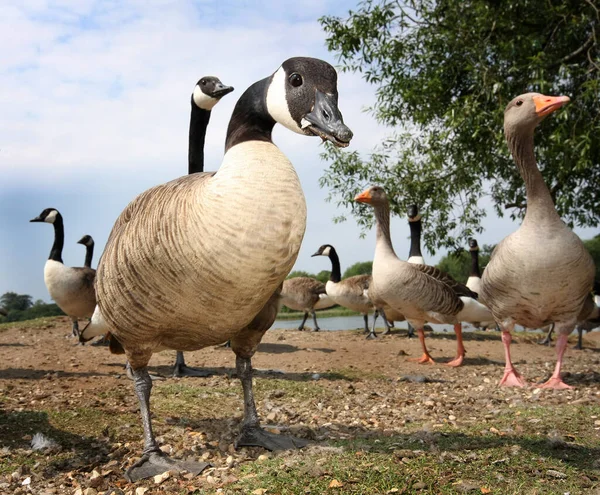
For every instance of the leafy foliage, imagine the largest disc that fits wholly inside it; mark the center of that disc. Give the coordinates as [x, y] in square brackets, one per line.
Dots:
[593, 246]
[359, 268]
[19, 307]
[444, 71]
[458, 264]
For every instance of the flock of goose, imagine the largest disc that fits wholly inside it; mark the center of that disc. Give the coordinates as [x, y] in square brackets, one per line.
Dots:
[203, 259]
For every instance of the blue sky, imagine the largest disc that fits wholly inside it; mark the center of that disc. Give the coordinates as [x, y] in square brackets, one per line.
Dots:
[95, 109]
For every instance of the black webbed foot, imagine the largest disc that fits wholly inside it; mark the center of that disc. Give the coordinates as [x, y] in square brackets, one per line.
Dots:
[154, 463]
[257, 437]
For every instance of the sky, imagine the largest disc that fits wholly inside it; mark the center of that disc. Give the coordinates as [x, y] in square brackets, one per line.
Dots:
[94, 99]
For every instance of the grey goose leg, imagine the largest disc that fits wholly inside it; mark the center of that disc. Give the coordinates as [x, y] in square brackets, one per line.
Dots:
[153, 460]
[366, 318]
[411, 331]
[251, 434]
[301, 327]
[388, 327]
[181, 369]
[579, 344]
[75, 328]
[314, 315]
[548, 339]
[129, 373]
[372, 334]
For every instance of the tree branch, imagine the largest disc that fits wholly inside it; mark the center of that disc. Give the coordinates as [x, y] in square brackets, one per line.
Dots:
[520, 206]
[572, 55]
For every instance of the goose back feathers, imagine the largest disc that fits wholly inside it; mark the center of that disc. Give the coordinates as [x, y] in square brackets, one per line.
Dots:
[302, 293]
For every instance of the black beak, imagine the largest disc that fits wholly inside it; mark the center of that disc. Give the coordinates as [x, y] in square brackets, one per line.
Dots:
[37, 219]
[327, 122]
[316, 254]
[221, 90]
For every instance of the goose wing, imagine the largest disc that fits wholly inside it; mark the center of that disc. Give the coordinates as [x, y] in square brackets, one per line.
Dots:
[456, 287]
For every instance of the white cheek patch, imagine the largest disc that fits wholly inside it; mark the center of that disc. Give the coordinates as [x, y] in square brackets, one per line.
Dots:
[277, 104]
[326, 251]
[202, 100]
[51, 216]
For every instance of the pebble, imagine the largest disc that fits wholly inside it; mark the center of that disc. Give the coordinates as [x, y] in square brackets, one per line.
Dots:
[262, 458]
[141, 490]
[556, 474]
[159, 478]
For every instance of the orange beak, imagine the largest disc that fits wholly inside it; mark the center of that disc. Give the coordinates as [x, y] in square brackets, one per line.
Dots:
[548, 104]
[363, 197]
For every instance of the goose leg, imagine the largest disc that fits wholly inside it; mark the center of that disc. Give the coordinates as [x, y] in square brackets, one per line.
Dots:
[251, 434]
[129, 373]
[301, 327]
[75, 328]
[579, 344]
[511, 377]
[153, 460]
[411, 331]
[372, 334]
[181, 369]
[366, 320]
[555, 380]
[548, 339]
[314, 315]
[426, 357]
[388, 326]
[460, 348]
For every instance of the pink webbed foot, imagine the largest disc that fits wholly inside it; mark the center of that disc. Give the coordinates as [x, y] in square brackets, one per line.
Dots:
[556, 383]
[457, 361]
[424, 359]
[512, 378]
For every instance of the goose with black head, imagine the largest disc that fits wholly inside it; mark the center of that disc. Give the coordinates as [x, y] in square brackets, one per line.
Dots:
[200, 260]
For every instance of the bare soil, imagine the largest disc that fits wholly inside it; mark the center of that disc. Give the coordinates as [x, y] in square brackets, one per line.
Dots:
[326, 386]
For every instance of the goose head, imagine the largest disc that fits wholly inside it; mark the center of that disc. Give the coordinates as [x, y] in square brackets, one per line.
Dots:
[526, 111]
[413, 213]
[49, 215]
[374, 196]
[208, 91]
[302, 96]
[324, 250]
[473, 246]
[86, 240]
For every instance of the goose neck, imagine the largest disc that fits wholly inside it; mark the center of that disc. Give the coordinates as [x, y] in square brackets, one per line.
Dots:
[415, 238]
[539, 200]
[251, 120]
[384, 241]
[199, 119]
[336, 272]
[475, 264]
[59, 239]
[89, 254]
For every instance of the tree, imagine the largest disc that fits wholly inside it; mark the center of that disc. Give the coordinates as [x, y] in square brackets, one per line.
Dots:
[323, 276]
[359, 268]
[458, 264]
[593, 246]
[300, 273]
[444, 71]
[13, 301]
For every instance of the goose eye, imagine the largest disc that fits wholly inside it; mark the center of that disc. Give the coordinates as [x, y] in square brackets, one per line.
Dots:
[295, 79]
[203, 82]
[519, 103]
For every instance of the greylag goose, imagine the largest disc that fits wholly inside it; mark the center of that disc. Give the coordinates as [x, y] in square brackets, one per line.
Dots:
[305, 294]
[71, 288]
[541, 273]
[207, 93]
[352, 292]
[200, 260]
[421, 293]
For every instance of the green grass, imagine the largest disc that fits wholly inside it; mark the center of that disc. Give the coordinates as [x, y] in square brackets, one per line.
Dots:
[46, 321]
[324, 313]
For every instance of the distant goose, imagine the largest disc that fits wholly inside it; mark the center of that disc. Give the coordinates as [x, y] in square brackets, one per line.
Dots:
[206, 254]
[207, 93]
[352, 292]
[72, 288]
[415, 255]
[421, 293]
[88, 242]
[541, 273]
[305, 294]
[474, 280]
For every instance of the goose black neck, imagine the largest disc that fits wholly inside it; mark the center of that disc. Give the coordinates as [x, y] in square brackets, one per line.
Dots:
[59, 239]
[336, 273]
[415, 238]
[251, 120]
[475, 264]
[89, 254]
[198, 123]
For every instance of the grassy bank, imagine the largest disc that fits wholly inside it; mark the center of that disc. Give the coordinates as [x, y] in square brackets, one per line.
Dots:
[324, 313]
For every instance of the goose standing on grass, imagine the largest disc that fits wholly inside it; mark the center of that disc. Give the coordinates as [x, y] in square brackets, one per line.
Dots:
[196, 261]
[88, 242]
[71, 288]
[352, 292]
[421, 293]
[541, 273]
[207, 93]
[305, 294]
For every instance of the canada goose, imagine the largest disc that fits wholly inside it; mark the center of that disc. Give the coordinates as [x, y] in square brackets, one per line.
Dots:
[72, 288]
[207, 93]
[474, 280]
[88, 242]
[352, 292]
[304, 294]
[421, 293]
[541, 273]
[200, 260]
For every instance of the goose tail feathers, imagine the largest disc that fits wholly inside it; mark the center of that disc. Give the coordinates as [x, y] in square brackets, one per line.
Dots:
[96, 326]
[473, 311]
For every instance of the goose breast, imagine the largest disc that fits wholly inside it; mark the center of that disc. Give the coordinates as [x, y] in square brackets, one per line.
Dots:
[71, 288]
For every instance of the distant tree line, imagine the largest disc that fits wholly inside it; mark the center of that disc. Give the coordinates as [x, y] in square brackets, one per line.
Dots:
[20, 307]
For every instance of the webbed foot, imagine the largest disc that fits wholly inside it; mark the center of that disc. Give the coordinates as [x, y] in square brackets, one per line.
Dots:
[555, 383]
[180, 371]
[371, 335]
[512, 378]
[424, 359]
[155, 463]
[257, 437]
